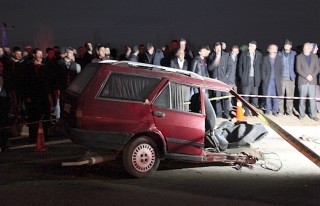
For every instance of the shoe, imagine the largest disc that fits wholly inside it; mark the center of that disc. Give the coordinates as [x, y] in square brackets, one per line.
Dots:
[301, 117]
[315, 119]
[290, 114]
[275, 114]
[267, 113]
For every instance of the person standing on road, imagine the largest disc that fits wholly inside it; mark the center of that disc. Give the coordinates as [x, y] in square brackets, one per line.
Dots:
[250, 63]
[232, 70]
[4, 112]
[271, 78]
[13, 74]
[307, 70]
[36, 94]
[315, 51]
[219, 70]
[288, 75]
[68, 70]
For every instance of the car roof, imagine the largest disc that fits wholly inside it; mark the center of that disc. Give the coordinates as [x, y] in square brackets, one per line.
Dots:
[175, 75]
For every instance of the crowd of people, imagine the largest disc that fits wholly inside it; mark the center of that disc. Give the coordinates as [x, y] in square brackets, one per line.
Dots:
[31, 84]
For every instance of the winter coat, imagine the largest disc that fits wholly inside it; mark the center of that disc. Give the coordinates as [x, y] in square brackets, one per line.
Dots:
[244, 68]
[266, 71]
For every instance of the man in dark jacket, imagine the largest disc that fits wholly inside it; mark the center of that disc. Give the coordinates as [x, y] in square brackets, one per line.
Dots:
[218, 70]
[36, 94]
[148, 56]
[179, 62]
[67, 72]
[307, 70]
[13, 75]
[288, 77]
[188, 53]
[88, 55]
[232, 67]
[199, 64]
[51, 74]
[271, 78]
[214, 59]
[134, 56]
[4, 112]
[232, 70]
[250, 63]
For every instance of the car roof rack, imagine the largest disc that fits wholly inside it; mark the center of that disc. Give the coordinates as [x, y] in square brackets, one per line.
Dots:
[158, 68]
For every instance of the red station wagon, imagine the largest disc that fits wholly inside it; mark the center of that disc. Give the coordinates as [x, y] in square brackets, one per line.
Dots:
[142, 113]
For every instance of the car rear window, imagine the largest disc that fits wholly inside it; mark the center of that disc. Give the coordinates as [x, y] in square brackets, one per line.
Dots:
[78, 85]
[129, 86]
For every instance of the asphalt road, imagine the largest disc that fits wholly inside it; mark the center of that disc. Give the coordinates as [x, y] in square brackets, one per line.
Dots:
[37, 178]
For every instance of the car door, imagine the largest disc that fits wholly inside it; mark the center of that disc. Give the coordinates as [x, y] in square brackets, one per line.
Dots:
[182, 126]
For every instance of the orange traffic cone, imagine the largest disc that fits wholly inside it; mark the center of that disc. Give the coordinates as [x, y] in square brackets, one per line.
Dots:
[40, 139]
[239, 114]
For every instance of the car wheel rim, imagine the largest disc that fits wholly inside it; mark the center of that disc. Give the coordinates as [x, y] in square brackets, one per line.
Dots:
[143, 157]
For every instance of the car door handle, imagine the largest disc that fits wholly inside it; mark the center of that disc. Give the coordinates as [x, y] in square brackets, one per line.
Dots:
[158, 114]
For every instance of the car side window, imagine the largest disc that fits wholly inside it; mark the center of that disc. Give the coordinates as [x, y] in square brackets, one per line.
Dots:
[176, 97]
[129, 87]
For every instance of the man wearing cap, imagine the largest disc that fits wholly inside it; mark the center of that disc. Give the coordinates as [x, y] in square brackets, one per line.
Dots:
[250, 63]
[288, 75]
[307, 70]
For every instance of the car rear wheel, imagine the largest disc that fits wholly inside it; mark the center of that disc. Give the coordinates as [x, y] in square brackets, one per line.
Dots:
[141, 157]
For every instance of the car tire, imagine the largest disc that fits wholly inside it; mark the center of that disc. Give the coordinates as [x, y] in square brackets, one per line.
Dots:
[141, 157]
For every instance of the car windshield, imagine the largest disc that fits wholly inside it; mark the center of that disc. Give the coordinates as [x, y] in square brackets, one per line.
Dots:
[82, 80]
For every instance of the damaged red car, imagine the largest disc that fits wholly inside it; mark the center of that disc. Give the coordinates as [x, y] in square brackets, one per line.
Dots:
[143, 114]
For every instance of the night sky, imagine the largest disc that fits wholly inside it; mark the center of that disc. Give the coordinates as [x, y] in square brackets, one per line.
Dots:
[117, 23]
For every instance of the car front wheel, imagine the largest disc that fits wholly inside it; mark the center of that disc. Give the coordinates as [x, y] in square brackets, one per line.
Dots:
[141, 157]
